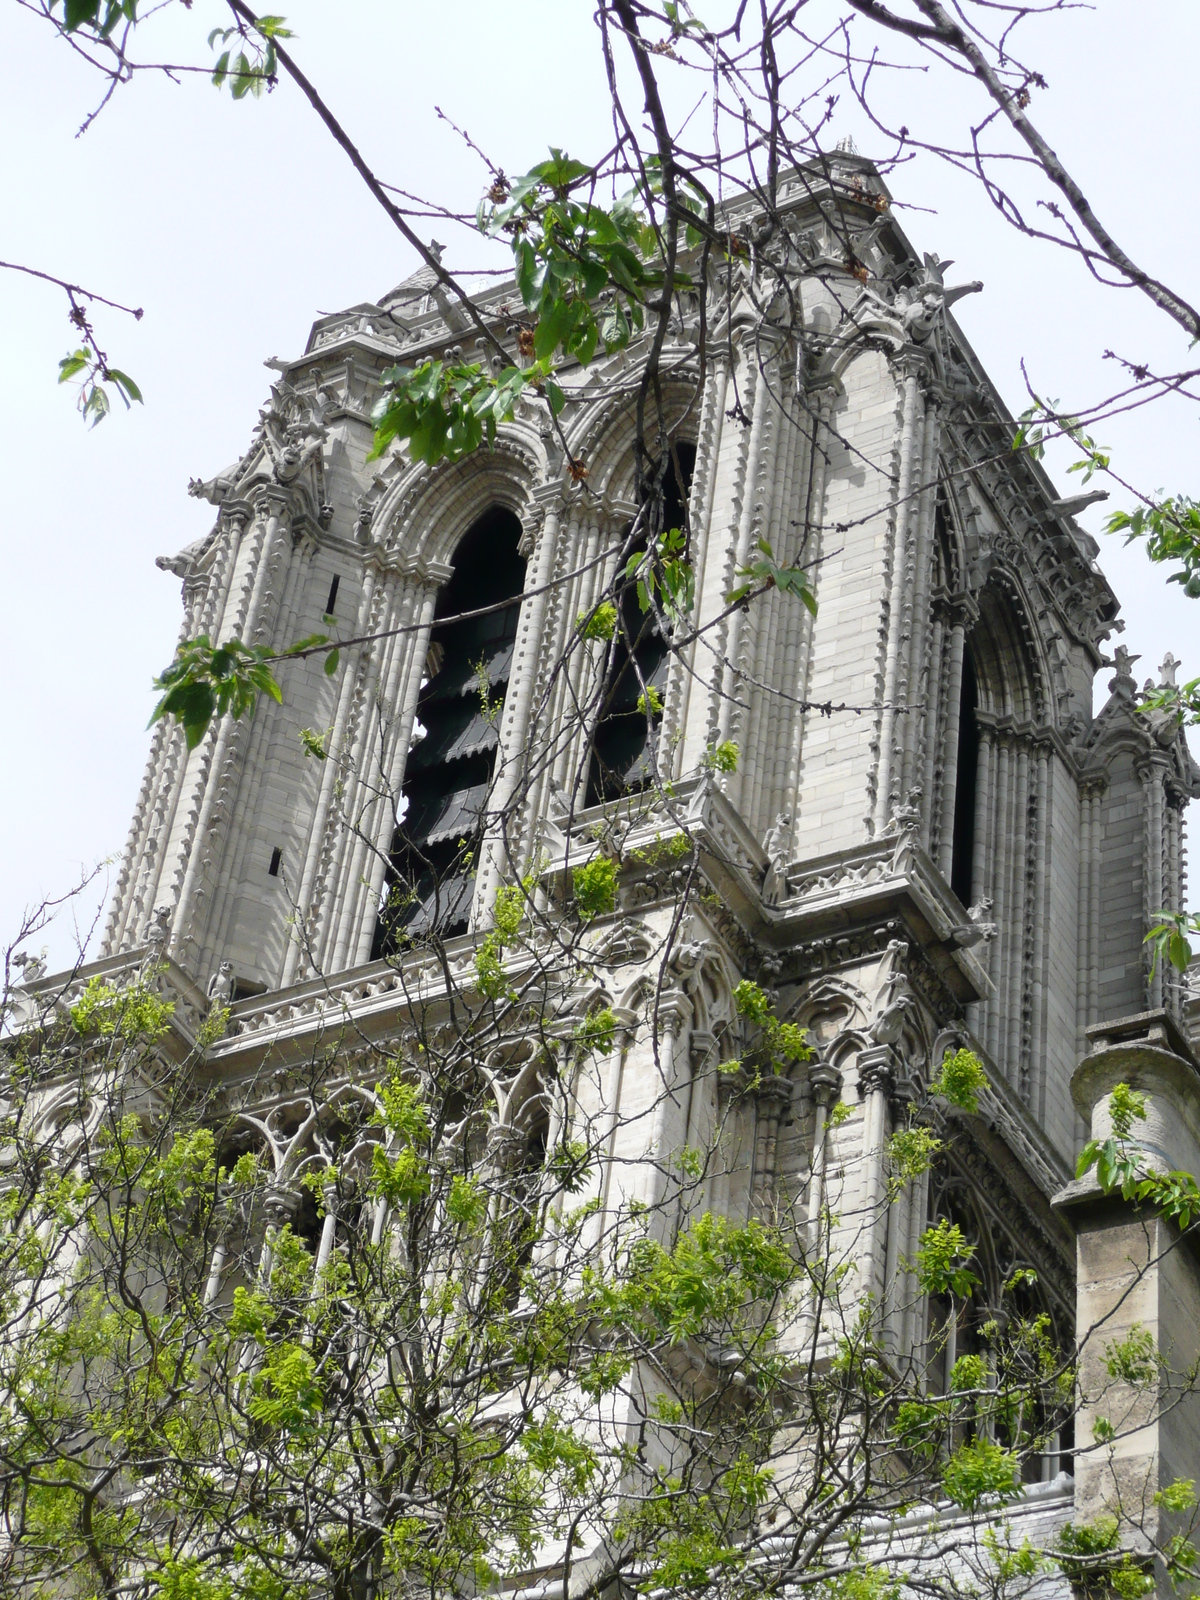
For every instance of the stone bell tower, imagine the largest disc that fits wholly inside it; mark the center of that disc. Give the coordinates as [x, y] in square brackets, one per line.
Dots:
[929, 839]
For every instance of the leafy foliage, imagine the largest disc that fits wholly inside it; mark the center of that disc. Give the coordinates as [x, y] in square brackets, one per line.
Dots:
[764, 572]
[1171, 528]
[960, 1079]
[601, 623]
[446, 410]
[594, 885]
[94, 403]
[581, 270]
[981, 1471]
[207, 680]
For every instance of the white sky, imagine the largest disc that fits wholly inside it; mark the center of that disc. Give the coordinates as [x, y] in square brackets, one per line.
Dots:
[236, 225]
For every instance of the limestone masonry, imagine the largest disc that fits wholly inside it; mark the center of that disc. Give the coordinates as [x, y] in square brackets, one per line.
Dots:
[967, 856]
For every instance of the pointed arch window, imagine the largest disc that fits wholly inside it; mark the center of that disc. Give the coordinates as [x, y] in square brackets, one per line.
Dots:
[448, 775]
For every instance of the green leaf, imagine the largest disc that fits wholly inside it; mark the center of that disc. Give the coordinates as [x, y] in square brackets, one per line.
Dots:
[125, 385]
[78, 13]
[331, 663]
[75, 363]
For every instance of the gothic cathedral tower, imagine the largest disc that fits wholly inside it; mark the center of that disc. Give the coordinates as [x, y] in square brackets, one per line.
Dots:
[928, 839]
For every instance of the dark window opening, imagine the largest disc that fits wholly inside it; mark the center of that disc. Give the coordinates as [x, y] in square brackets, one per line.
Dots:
[962, 859]
[431, 871]
[332, 601]
[276, 859]
[625, 743]
[945, 546]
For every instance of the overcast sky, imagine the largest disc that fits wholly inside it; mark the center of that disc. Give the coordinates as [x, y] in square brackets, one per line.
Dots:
[236, 225]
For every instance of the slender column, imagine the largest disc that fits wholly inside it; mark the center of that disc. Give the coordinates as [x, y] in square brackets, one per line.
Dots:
[1094, 859]
[918, 725]
[912, 1301]
[512, 754]
[772, 1098]
[1087, 956]
[953, 716]
[1019, 913]
[328, 1229]
[984, 855]
[1001, 846]
[728, 673]
[708, 452]
[826, 1083]
[673, 1010]
[787, 667]
[570, 705]
[1152, 773]
[1040, 911]
[876, 1078]
[813, 526]
[902, 518]
[934, 737]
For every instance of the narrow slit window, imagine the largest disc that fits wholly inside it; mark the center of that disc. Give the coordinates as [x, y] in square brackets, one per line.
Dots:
[276, 860]
[331, 603]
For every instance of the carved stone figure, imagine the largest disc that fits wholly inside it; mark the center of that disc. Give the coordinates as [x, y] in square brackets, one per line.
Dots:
[775, 844]
[922, 306]
[32, 967]
[979, 929]
[159, 929]
[221, 985]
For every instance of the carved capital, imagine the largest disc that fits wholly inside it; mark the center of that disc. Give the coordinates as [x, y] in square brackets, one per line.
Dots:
[671, 1012]
[282, 1203]
[700, 1047]
[729, 1085]
[773, 1093]
[961, 610]
[270, 501]
[878, 1069]
[826, 1083]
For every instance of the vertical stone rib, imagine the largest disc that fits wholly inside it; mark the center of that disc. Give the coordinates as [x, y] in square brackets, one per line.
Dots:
[814, 526]
[362, 773]
[952, 719]
[918, 729]
[1095, 855]
[901, 520]
[511, 753]
[700, 511]
[1151, 775]
[570, 707]
[1087, 956]
[1018, 964]
[716, 647]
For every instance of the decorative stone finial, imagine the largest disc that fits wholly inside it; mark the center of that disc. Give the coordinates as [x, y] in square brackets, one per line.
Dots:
[1123, 684]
